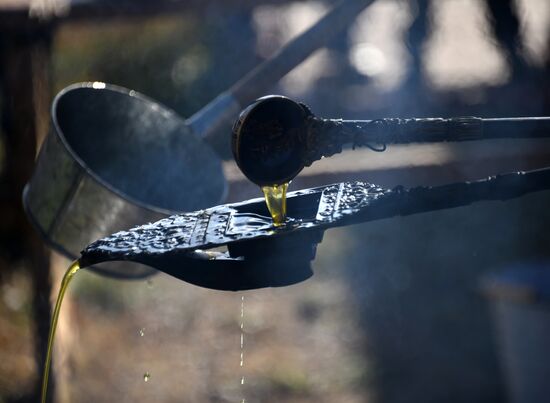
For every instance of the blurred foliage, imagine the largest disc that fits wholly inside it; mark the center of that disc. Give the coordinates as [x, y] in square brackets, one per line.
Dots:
[182, 61]
[99, 293]
[17, 365]
[288, 380]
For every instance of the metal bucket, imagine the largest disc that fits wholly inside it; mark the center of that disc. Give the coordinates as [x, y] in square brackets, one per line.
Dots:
[113, 159]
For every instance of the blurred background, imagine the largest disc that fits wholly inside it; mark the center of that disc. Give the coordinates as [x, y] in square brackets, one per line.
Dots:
[399, 310]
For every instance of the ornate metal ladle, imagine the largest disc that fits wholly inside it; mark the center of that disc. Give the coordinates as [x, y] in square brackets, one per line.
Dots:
[276, 137]
[260, 254]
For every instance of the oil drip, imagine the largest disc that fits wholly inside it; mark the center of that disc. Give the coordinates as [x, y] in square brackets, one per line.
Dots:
[141, 332]
[67, 277]
[275, 198]
[241, 364]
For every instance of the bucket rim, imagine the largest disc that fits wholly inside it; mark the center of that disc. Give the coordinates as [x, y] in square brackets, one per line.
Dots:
[101, 86]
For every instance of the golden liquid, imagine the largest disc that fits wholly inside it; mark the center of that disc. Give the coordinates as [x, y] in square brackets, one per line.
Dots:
[275, 198]
[73, 268]
[242, 344]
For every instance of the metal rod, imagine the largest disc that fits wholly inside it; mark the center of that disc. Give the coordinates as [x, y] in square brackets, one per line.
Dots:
[444, 129]
[262, 77]
[226, 106]
[327, 136]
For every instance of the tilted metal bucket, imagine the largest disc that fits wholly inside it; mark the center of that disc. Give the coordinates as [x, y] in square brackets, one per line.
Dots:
[114, 158]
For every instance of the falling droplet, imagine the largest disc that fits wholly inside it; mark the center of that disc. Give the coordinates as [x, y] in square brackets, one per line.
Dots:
[242, 343]
[146, 376]
[142, 332]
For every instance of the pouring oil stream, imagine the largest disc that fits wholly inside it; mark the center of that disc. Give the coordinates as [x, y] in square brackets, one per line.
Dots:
[241, 364]
[67, 277]
[275, 198]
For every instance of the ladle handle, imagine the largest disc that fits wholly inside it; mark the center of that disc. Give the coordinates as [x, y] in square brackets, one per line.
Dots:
[226, 107]
[263, 76]
[500, 187]
[328, 136]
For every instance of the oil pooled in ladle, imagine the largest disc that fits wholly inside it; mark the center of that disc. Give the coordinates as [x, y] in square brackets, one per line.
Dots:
[275, 198]
[268, 145]
[67, 277]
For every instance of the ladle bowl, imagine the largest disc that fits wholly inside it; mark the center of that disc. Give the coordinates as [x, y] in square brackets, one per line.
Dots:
[275, 137]
[116, 158]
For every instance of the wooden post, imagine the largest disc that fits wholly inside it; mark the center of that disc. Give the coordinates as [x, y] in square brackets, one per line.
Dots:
[25, 96]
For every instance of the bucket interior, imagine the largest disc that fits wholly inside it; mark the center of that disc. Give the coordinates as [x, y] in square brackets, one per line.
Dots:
[139, 149]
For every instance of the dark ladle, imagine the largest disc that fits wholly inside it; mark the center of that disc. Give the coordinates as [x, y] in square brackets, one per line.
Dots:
[261, 255]
[276, 137]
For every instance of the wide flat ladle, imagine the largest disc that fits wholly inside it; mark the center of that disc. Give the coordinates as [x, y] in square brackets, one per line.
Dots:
[259, 254]
[115, 158]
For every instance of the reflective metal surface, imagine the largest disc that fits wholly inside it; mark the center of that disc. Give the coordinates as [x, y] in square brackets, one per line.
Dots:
[112, 159]
[260, 254]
